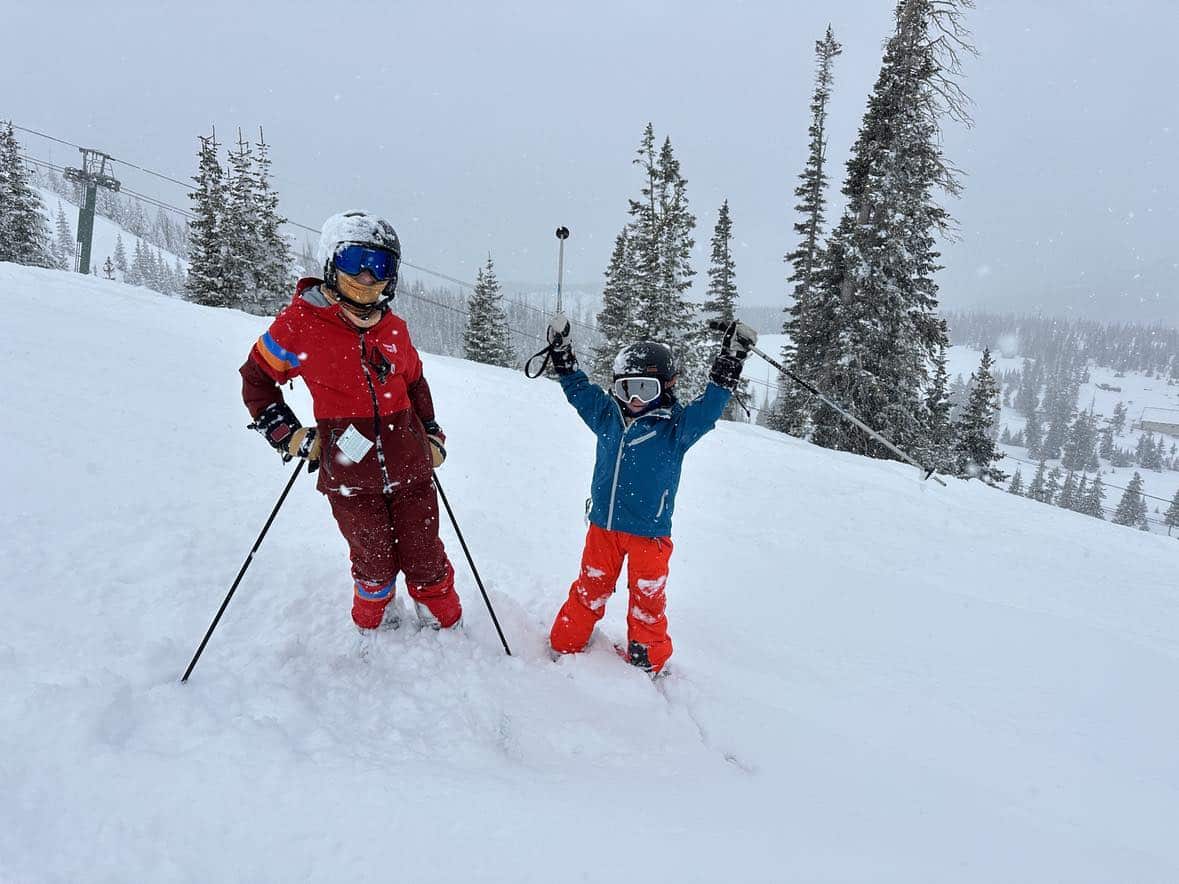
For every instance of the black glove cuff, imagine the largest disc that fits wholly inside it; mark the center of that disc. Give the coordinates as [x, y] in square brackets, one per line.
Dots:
[564, 362]
[432, 428]
[276, 422]
[726, 371]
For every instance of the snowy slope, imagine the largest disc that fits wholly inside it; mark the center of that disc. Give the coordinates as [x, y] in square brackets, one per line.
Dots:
[876, 678]
[105, 234]
[1139, 393]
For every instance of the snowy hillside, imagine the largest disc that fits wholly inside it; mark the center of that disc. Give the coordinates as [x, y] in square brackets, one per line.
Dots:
[1104, 389]
[105, 234]
[876, 678]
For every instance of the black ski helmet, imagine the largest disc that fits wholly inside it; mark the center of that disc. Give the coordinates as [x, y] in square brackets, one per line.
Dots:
[647, 359]
[358, 228]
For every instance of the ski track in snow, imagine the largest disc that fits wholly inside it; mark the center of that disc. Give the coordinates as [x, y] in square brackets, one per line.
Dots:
[874, 679]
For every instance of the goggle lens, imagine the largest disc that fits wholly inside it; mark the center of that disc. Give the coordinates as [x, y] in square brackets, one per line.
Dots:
[644, 389]
[379, 262]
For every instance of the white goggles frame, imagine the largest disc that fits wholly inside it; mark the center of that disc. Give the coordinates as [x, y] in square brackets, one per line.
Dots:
[643, 394]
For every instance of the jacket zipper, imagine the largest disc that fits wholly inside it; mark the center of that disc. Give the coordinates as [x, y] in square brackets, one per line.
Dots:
[372, 395]
[662, 503]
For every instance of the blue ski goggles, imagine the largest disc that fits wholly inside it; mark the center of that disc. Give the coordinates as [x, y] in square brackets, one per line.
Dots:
[646, 390]
[381, 263]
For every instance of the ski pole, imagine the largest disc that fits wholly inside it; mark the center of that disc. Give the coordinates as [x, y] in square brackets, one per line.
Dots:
[245, 564]
[471, 562]
[718, 325]
[562, 235]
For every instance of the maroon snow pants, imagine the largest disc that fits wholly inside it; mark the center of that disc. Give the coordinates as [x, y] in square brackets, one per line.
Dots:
[391, 533]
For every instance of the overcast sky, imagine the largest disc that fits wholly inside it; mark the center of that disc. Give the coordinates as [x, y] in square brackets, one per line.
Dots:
[479, 127]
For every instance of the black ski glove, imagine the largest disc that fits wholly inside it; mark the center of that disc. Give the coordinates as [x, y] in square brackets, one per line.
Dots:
[559, 334]
[276, 422]
[737, 342]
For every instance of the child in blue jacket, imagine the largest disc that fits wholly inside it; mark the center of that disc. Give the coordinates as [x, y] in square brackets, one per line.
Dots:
[643, 434]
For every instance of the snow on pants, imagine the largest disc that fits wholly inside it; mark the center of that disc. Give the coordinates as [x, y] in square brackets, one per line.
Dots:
[391, 533]
[646, 577]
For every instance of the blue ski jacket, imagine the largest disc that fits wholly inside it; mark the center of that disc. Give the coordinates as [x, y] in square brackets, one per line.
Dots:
[637, 470]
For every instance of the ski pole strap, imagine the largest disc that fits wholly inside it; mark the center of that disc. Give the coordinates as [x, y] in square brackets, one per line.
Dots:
[547, 353]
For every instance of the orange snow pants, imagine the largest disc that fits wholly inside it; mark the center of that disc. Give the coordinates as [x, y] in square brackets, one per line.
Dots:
[646, 577]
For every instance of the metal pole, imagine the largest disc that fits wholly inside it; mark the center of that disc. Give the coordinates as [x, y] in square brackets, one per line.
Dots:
[471, 562]
[245, 564]
[562, 235]
[929, 473]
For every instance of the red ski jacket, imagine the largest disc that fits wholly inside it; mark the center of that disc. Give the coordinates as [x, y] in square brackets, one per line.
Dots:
[367, 390]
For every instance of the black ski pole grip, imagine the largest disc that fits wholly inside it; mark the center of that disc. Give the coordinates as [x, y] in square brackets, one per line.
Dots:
[562, 232]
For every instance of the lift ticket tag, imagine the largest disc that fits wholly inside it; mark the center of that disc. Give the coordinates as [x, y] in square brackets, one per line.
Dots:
[354, 444]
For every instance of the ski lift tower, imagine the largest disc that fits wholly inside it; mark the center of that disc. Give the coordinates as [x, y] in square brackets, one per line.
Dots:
[90, 177]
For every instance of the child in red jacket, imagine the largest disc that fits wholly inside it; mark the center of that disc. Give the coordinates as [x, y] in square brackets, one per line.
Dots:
[375, 439]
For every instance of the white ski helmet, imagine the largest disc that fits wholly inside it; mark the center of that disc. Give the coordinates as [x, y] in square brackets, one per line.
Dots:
[357, 228]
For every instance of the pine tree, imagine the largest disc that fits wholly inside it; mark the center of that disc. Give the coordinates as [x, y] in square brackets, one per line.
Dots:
[120, 253]
[239, 230]
[1033, 435]
[1027, 399]
[1016, 486]
[806, 327]
[660, 233]
[614, 319]
[1171, 518]
[1068, 492]
[206, 265]
[1094, 500]
[273, 276]
[941, 434]
[1118, 422]
[1052, 485]
[1131, 509]
[882, 257]
[63, 243]
[1107, 446]
[24, 235]
[721, 297]
[1038, 488]
[487, 338]
[1078, 501]
[976, 447]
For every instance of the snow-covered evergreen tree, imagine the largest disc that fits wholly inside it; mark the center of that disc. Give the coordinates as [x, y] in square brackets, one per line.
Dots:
[1093, 502]
[976, 434]
[239, 230]
[807, 324]
[63, 240]
[1027, 399]
[1078, 504]
[720, 303]
[881, 258]
[660, 237]
[1016, 486]
[488, 338]
[941, 434]
[615, 318]
[1171, 517]
[1038, 489]
[273, 277]
[1033, 434]
[24, 235]
[206, 265]
[1052, 485]
[120, 253]
[1131, 509]
[1068, 492]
